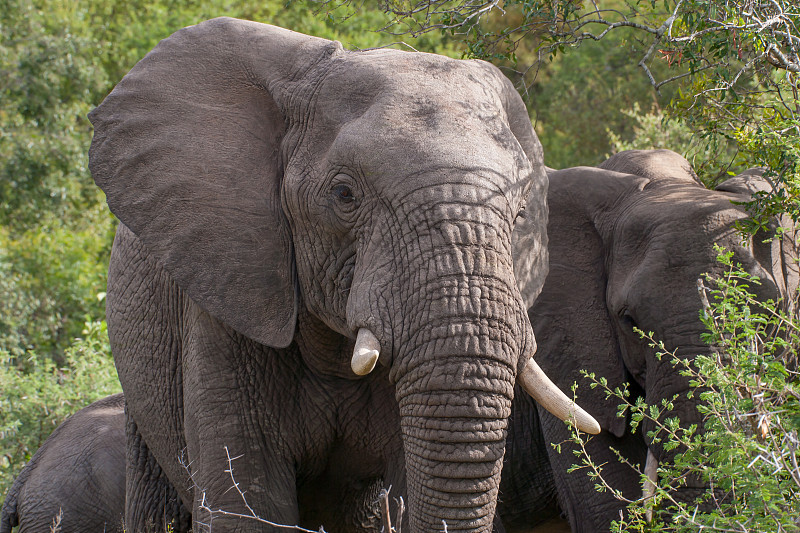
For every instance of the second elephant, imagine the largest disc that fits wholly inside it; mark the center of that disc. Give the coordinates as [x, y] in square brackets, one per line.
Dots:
[628, 243]
[77, 477]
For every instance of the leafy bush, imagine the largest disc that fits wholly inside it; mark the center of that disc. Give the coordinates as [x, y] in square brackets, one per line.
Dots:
[747, 452]
[36, 395]
[711, 157]
[51, 278]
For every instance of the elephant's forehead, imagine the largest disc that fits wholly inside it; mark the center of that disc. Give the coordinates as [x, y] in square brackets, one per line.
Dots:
[680, 206]
[409, 90]
[409, 73]
[678, 234]
[399, 112]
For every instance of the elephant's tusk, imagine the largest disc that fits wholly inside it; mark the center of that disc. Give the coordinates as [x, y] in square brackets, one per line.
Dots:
[649, 489]
[365, 353]
[544, 391]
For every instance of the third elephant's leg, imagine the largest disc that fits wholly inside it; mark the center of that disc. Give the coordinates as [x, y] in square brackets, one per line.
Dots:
[527, 489]
[339, 504]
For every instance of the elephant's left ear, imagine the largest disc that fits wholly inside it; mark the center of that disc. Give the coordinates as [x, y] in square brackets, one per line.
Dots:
[529, 240]
[747, 183]
[187, 149]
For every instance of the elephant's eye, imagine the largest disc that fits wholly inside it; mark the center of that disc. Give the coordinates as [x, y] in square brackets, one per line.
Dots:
[343, 193]
[520, 214]
[627, 319]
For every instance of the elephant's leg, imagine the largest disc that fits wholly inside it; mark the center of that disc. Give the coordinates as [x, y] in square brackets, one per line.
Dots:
[243, 427]
[341, 506]
[152, 504]
[267, 501]
[587, 509]
[527, 490]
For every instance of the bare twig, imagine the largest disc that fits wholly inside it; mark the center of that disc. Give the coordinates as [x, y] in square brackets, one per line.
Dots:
[398, 519]
[55, 527]
[386, 518]
[206, 506]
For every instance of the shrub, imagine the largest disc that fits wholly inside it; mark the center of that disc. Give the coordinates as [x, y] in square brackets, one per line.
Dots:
[749, 394]
[36, 395]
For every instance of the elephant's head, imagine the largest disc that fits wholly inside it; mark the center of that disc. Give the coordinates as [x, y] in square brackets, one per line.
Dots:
[279, 177]
[628, 243]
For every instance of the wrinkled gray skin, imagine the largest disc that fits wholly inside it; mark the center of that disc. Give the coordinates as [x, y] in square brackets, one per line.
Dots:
[79, 471]
[276, 194]
[628, 242]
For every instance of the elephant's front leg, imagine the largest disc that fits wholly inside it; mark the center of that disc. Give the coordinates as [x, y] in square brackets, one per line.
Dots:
[528, 494]
[240, 412]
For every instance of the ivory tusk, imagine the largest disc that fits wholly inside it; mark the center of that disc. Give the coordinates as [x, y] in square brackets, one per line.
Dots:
[649, 489]
[544, 391]
[365, 353]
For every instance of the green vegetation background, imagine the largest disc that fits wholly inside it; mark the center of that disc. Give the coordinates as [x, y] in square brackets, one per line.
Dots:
[59, 58]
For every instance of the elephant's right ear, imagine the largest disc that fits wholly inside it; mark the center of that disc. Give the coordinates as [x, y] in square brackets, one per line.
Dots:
[187, 148]
[529, 240]
[747, 183]
[780, 253]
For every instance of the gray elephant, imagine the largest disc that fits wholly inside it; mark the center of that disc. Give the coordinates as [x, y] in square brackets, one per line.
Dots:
[628, 242]
[292, 214]
[77, 475]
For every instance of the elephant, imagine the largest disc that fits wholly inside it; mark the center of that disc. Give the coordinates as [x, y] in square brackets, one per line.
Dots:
[628, 242]
[78, 475]
[318, 285]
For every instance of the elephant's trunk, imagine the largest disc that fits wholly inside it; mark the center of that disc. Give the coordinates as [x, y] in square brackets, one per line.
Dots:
[454, 423]
[455, 379]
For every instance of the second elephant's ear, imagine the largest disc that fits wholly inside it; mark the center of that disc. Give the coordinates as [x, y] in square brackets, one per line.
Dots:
[747, 183]
[529, 240]
[571, 319]
[187, 148]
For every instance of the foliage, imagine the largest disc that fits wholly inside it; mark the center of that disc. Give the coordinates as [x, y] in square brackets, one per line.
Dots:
[50, 276]
[47, 82]
[733, 63]
[654, 129]
[651, 130]
[747, 452]
[36, 394]
[576, 98]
